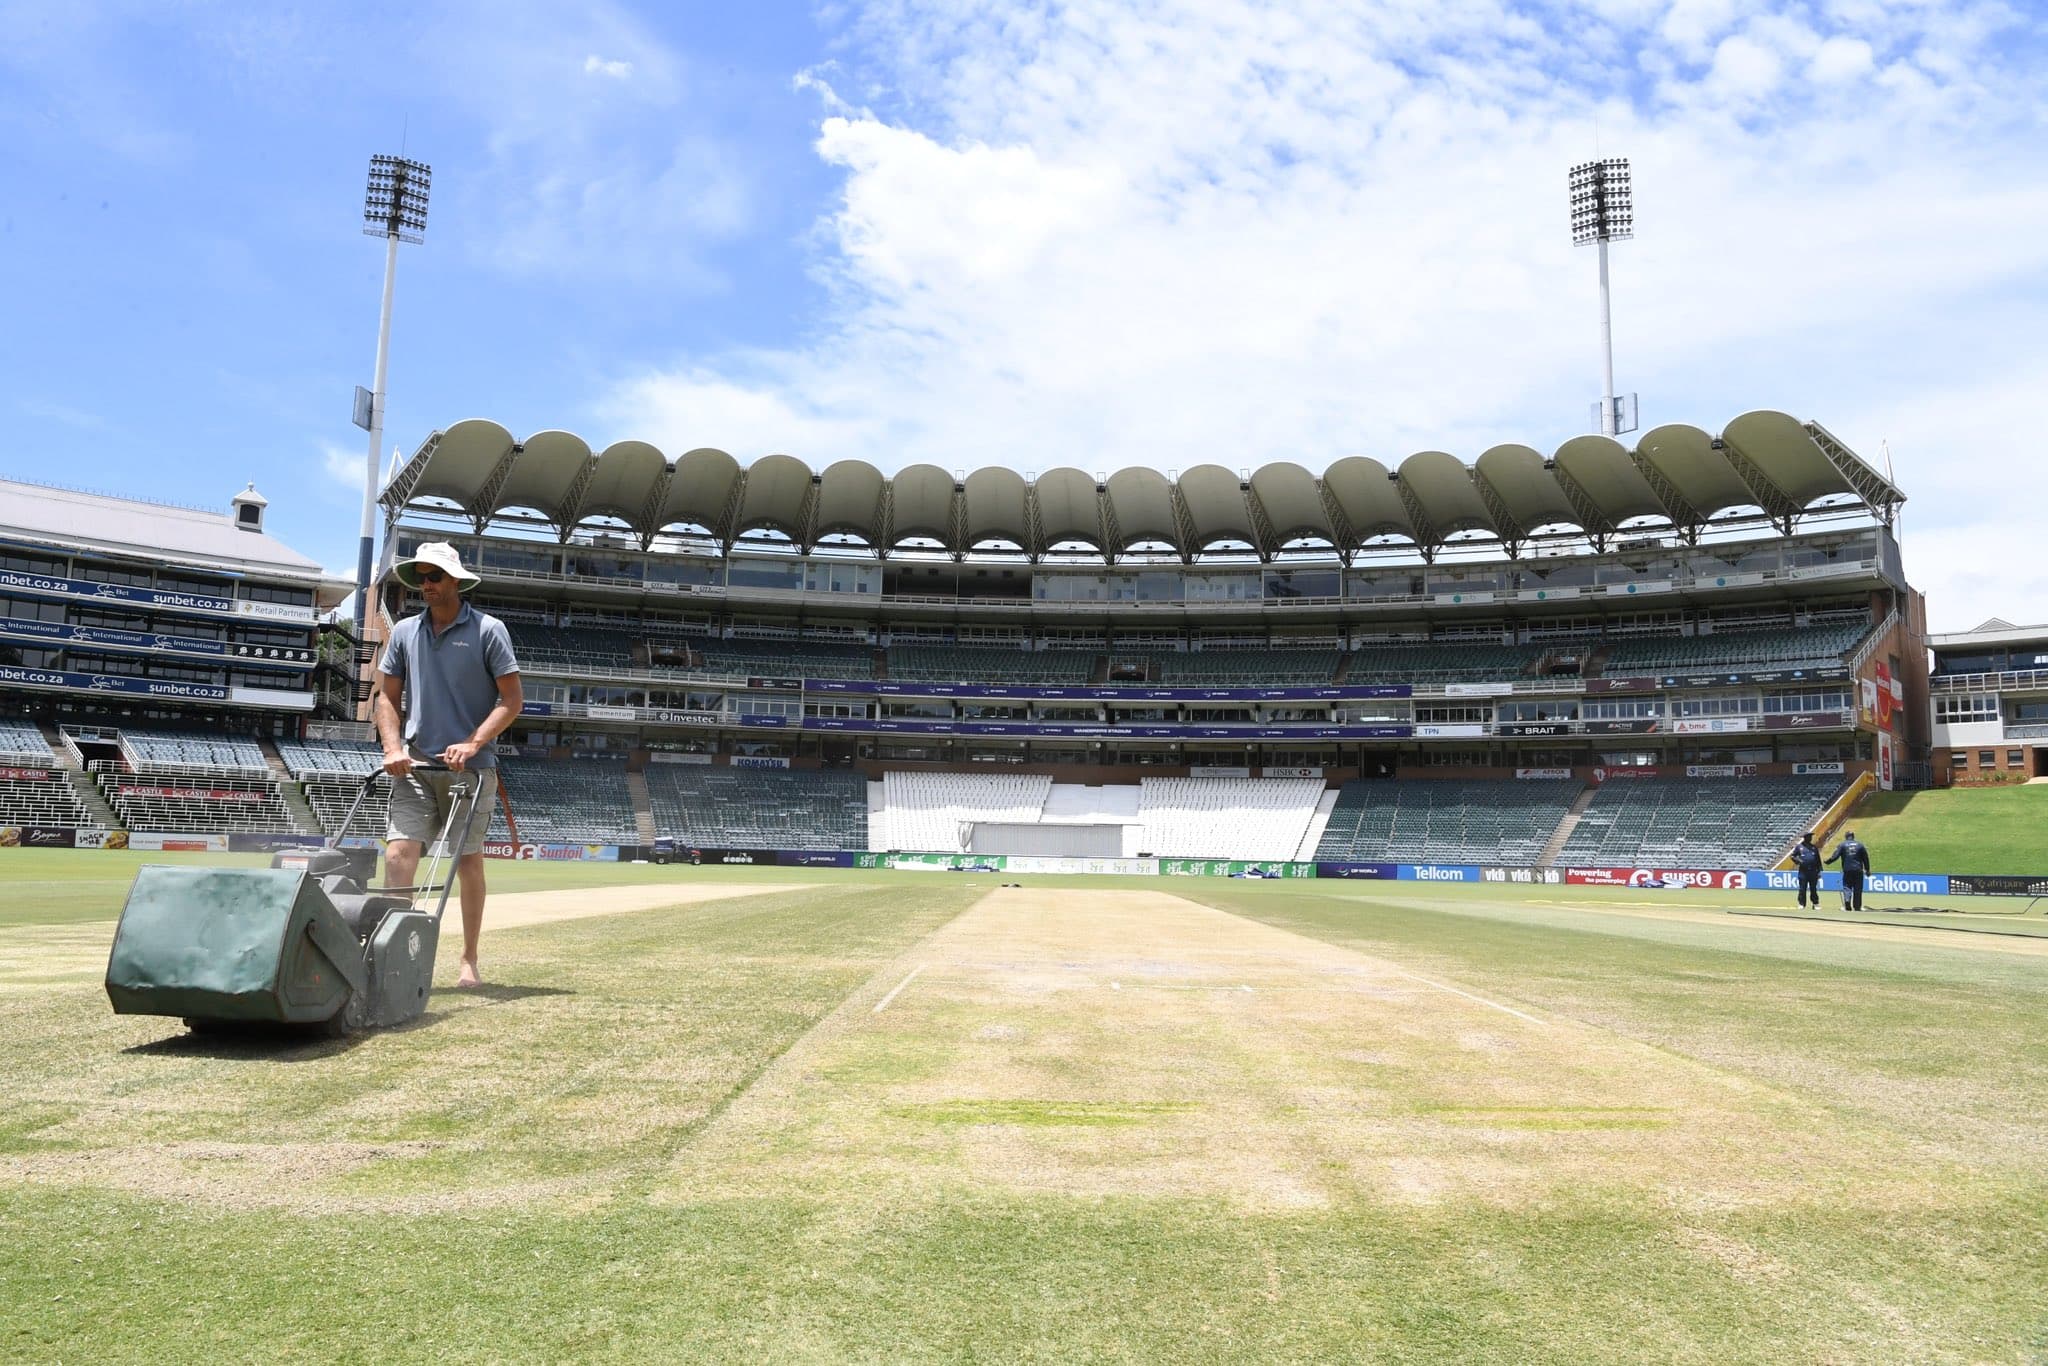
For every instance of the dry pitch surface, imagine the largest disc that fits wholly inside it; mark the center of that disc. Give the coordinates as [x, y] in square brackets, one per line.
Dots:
[1135, 1043]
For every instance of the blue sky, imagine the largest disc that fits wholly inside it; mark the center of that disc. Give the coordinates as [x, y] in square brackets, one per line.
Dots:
[1091, 233]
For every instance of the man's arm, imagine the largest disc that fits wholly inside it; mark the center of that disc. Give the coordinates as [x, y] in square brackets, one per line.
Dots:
[384, 704]
[511, 701]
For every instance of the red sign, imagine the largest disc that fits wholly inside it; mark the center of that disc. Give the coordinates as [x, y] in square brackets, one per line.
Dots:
[194, 794]
[1603, 775]
[23, 775]
[1655, 877]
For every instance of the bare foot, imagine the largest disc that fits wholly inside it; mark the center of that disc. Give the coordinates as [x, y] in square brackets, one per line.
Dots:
[469, 976]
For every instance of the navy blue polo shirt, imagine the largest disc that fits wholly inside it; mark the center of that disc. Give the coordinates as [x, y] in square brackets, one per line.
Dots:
[451, 678]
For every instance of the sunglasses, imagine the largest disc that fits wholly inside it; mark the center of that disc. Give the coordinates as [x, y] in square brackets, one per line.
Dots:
[430, 575]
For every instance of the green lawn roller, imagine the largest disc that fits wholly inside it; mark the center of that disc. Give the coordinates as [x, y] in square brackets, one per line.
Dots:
[312, 946]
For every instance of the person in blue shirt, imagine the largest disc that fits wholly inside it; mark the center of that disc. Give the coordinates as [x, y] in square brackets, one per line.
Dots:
[1854, 856]
[448, 686]
[1806, 861]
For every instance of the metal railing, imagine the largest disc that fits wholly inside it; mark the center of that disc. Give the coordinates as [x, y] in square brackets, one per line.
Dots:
[2012, 680]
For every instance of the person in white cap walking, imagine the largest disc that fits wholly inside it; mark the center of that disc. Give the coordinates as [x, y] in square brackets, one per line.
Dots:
[447, 687]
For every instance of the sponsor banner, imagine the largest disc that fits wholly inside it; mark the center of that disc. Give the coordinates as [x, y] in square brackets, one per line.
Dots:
[274, 611]
[1543, 774]
[1110, 693]
[603, 756]
[552, 853]
[1644, 725]
[156, 840]
[1598, 685]
[1535, 728]
[1630, 590]
[37, 837]
[1648, 877]
[1720, 770]
[1114, 867]
[1979, 884]
[24, 775]
[1531, 877]
[1478, 689]
[597, 713]
[758, 761]
[787, 684]
[145, 642]
[1891, 884]
[1834, 767]
[1806, 720]
[1626, 771]
[1791, 675]
[690, 718]
[1460, 732]
[99, 839]
[538, 709]
[194, 794]
[1885, 747]
[1438, 872]
[530, 751]
[1254, 868]
[670, 756]
[820, 858]
[1370, 872]
[132, 687]
[1137, 730]
[1303, 772]
[270, 842]
[271, 697]
[1219, 771]
[1710, 725]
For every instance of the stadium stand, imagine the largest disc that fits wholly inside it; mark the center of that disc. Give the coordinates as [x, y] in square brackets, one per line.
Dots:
[193, 797]
[184, 748]
[1788, 648]
[1273, 667]
[566, 803]
[1696, 822]
[936, 812]
[757, 808]
[989, 664]
[21, 743]
[32, 796]
[570, 647]
[1446, 820]
[1410, 662]
[304, 757]
[1226, 817]
[786, 659]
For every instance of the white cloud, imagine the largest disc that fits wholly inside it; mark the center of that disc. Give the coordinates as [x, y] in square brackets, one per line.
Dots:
[1840, 59]
[343, 466]
[1108, 234]
[582, 178]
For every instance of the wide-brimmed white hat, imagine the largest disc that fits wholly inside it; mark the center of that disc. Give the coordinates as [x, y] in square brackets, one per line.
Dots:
[435, 555]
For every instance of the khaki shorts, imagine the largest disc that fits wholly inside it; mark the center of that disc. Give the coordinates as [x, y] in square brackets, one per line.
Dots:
[419, 808]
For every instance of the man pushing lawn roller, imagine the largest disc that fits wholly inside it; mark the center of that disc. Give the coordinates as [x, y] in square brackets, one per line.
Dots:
[316, 945]
[447, 687]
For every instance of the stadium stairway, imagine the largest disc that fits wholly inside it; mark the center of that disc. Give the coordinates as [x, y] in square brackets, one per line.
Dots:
[89, 794]
[295, 801]
[1317, 824]
[1548, 857]
[643, 807]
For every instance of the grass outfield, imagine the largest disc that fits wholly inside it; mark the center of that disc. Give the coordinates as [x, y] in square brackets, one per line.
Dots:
[825, 1115]
[1957, 830]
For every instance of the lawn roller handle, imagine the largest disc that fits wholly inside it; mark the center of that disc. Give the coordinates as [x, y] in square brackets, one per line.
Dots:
[462, 797]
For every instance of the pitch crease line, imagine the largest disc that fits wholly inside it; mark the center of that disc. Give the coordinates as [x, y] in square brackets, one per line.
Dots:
[883, 1004]
[1495, 1005]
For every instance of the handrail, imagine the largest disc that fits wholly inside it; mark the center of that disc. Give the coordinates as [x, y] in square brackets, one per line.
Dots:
[2009, 680]
[1875, 639]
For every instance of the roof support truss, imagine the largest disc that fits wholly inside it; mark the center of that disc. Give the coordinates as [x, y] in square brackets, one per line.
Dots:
[486, 500]
[1684, 515]
[1772, 499]
[1427, 540]
[650, 510]
[1510, 529]
[1876, 493]
[572, 501]
[1264, 538]
[1591, 519]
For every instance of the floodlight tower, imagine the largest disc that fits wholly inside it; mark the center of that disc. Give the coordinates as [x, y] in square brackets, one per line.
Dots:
[1602, 212]
[395, 209]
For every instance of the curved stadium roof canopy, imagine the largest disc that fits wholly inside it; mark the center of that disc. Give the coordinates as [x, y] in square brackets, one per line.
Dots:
[1774, 466]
